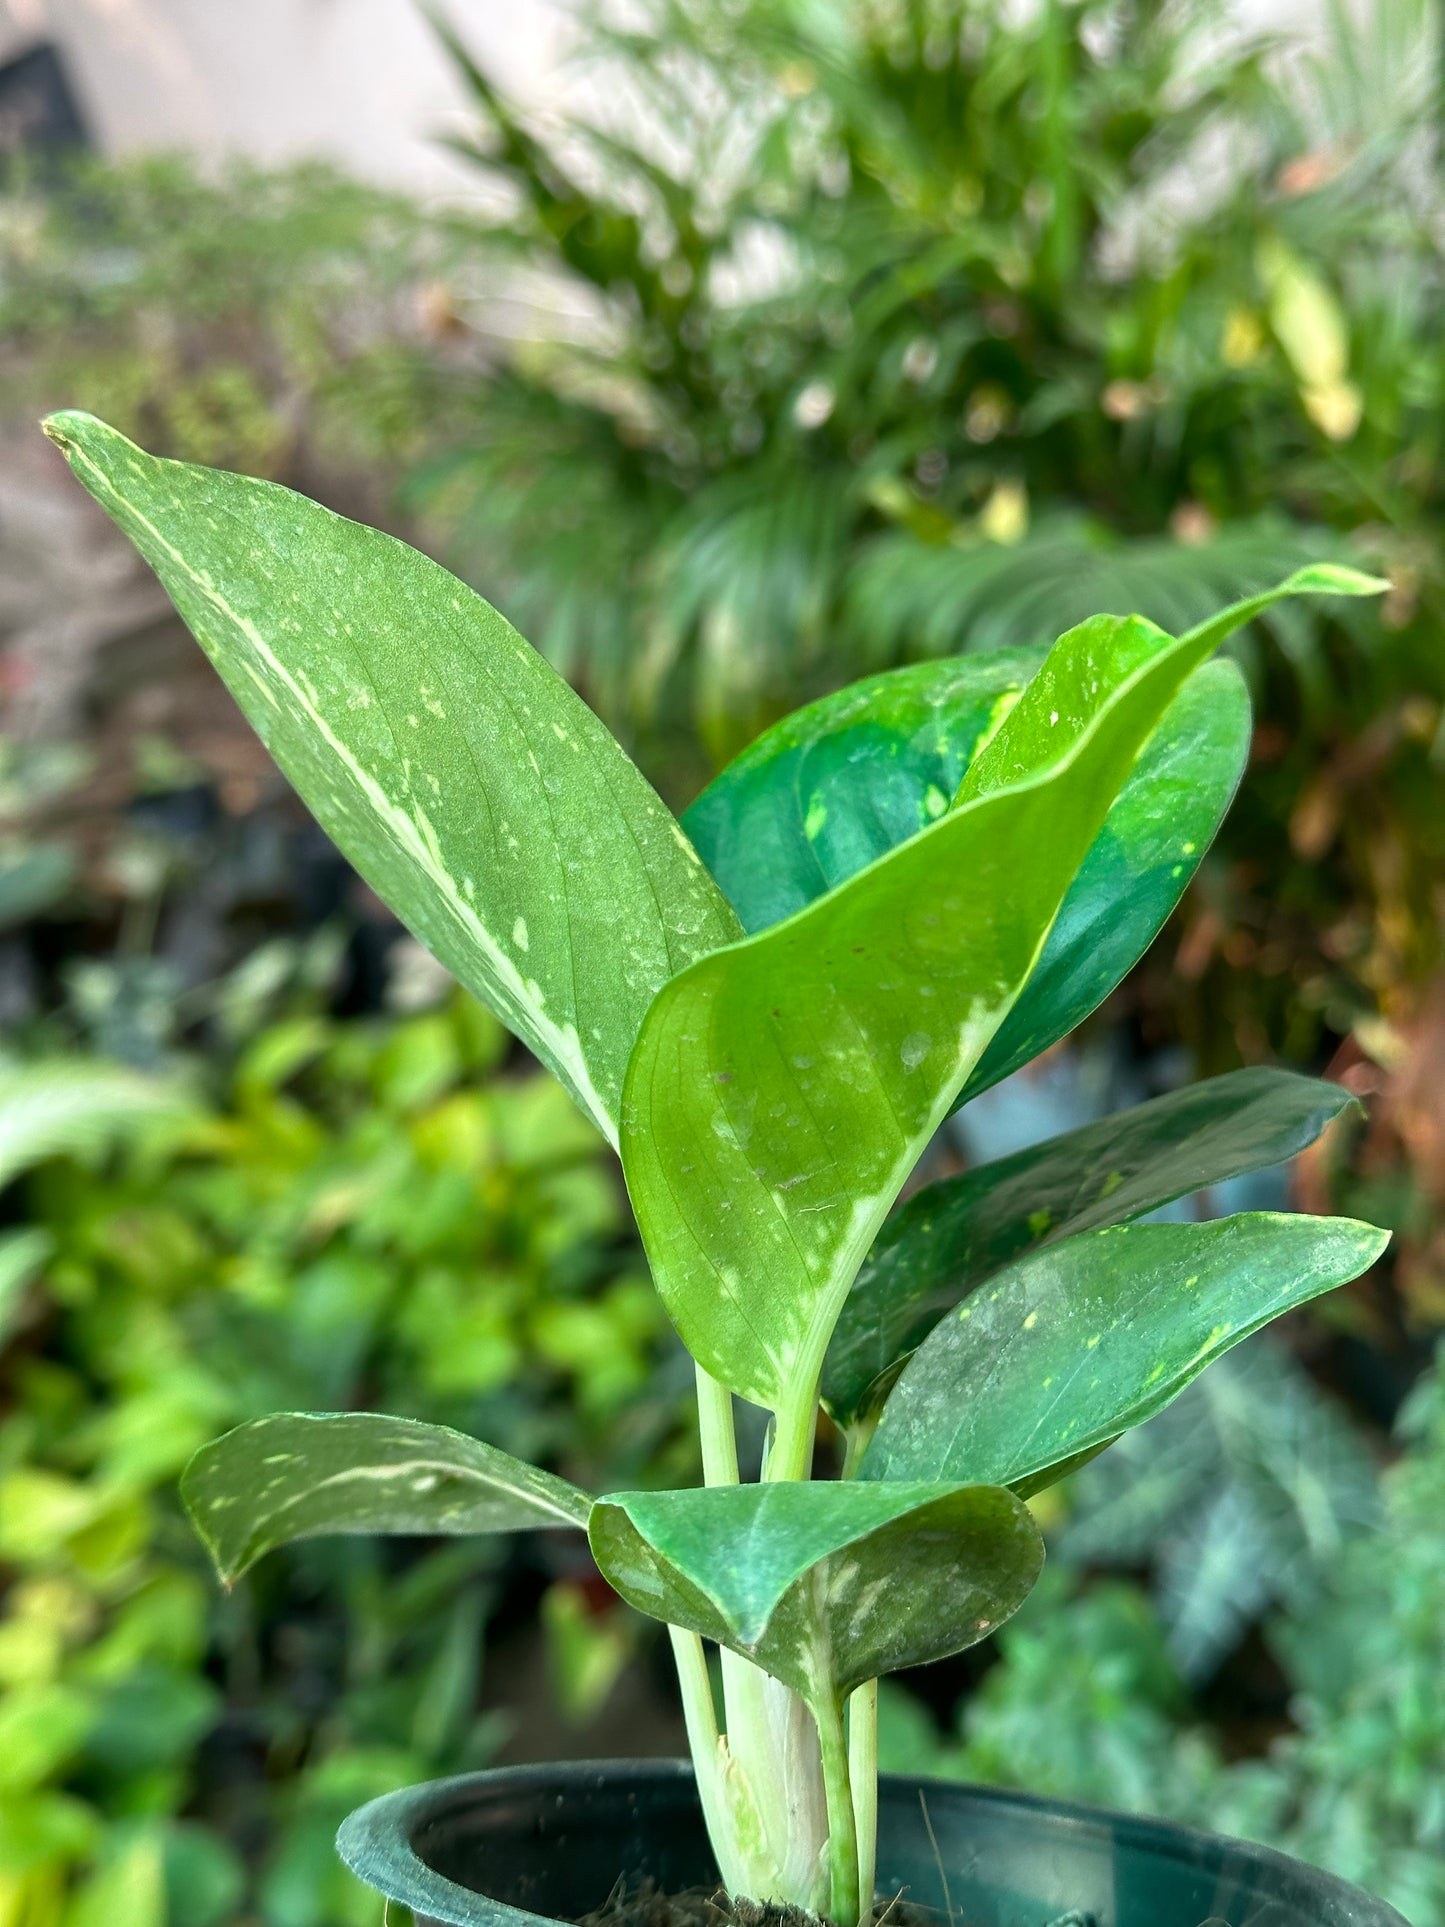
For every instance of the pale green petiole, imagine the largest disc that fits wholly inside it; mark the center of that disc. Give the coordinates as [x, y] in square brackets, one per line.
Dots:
[863, 1776]
[771, 1767]
[844, 1905]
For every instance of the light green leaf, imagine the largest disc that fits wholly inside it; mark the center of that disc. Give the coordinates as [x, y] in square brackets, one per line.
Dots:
[71, 1106]
[1075, 1343]
[467, 783]
[782, 1089]
[949, 1237]
[824, 1585]
[22, 1253]
[300, 1475]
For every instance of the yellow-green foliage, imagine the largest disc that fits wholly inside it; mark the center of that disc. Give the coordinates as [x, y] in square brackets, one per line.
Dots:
[371, 1213]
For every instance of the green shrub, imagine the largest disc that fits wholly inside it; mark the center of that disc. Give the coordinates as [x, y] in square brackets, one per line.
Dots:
[369, 1210]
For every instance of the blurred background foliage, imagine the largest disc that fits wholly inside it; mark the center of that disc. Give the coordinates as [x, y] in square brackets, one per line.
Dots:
[805, 340]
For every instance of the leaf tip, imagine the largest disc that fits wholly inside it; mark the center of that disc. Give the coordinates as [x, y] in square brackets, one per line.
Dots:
[1336, 578]
[73, 431]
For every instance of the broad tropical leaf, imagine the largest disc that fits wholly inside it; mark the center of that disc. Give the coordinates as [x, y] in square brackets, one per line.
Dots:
[949, 1237]
[830, 789]
[1073, 1344]
[467, 783]
[299, 1475]
[782, 1089]
[1137, 868]
[824, 1585]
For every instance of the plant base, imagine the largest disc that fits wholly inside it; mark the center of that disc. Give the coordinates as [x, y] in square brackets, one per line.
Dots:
[544, 1844]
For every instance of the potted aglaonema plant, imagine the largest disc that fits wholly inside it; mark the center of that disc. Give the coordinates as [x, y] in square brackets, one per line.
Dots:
[893, 899]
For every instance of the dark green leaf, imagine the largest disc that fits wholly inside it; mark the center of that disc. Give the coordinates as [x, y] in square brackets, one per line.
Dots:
[828, 790]
[952, 1235]
[467, 783]
[821, 1587]
[833, 786]
[1153, 840]
[1073, 1344]
[299, 1475]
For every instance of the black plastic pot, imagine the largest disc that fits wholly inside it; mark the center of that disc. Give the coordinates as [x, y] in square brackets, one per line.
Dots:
[537, 1844]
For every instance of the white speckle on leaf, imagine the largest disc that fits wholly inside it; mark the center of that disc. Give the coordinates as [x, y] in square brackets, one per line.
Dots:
[914, 1048]
[519, 933]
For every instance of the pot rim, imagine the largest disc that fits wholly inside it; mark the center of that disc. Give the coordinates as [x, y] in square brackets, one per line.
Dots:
[375, 1841]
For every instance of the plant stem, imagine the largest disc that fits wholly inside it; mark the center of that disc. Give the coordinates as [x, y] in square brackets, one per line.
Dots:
[790, 1456]
[863, 1776]
[843, 1908]
[720, 1467]
[700, 1716]
[715, 1427]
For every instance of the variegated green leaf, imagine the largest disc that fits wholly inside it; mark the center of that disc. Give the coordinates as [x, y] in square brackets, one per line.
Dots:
[1074, 1344]
[467, 783]
[828, 790]
[299, 1475]
[823, 1585]
[949, 1237]
[782, 1089]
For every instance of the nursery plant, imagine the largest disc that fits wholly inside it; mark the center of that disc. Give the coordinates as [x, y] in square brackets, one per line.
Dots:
[893, 899]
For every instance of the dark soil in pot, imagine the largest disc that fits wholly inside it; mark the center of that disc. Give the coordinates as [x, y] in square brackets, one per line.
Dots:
[557, 1843]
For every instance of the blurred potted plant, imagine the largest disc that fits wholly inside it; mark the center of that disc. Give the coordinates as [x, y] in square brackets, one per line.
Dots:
[913, 887]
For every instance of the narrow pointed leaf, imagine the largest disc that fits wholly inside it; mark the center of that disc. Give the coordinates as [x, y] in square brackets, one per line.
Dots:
[782, 1089]
[951, 1236]
[1076, 1343]
[821, 1587]
[467, 783]
[300, 1475]
[1316, 578]
[830, 789]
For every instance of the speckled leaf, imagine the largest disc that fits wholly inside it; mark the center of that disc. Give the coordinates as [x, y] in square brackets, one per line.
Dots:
[827, 790]
[782, 1089]
[1077, 1342]
[949, 1237]
[1138, 866]
[824, 1585]
[459, 774]
[300, 1475]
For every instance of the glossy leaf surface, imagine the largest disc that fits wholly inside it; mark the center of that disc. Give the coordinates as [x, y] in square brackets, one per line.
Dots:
[829, 790]
[952, 1235]
[1075, 1343]
[457, 771]
[782, 1089]
[1137, 868]
[825, 1585]
[301, 1475]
